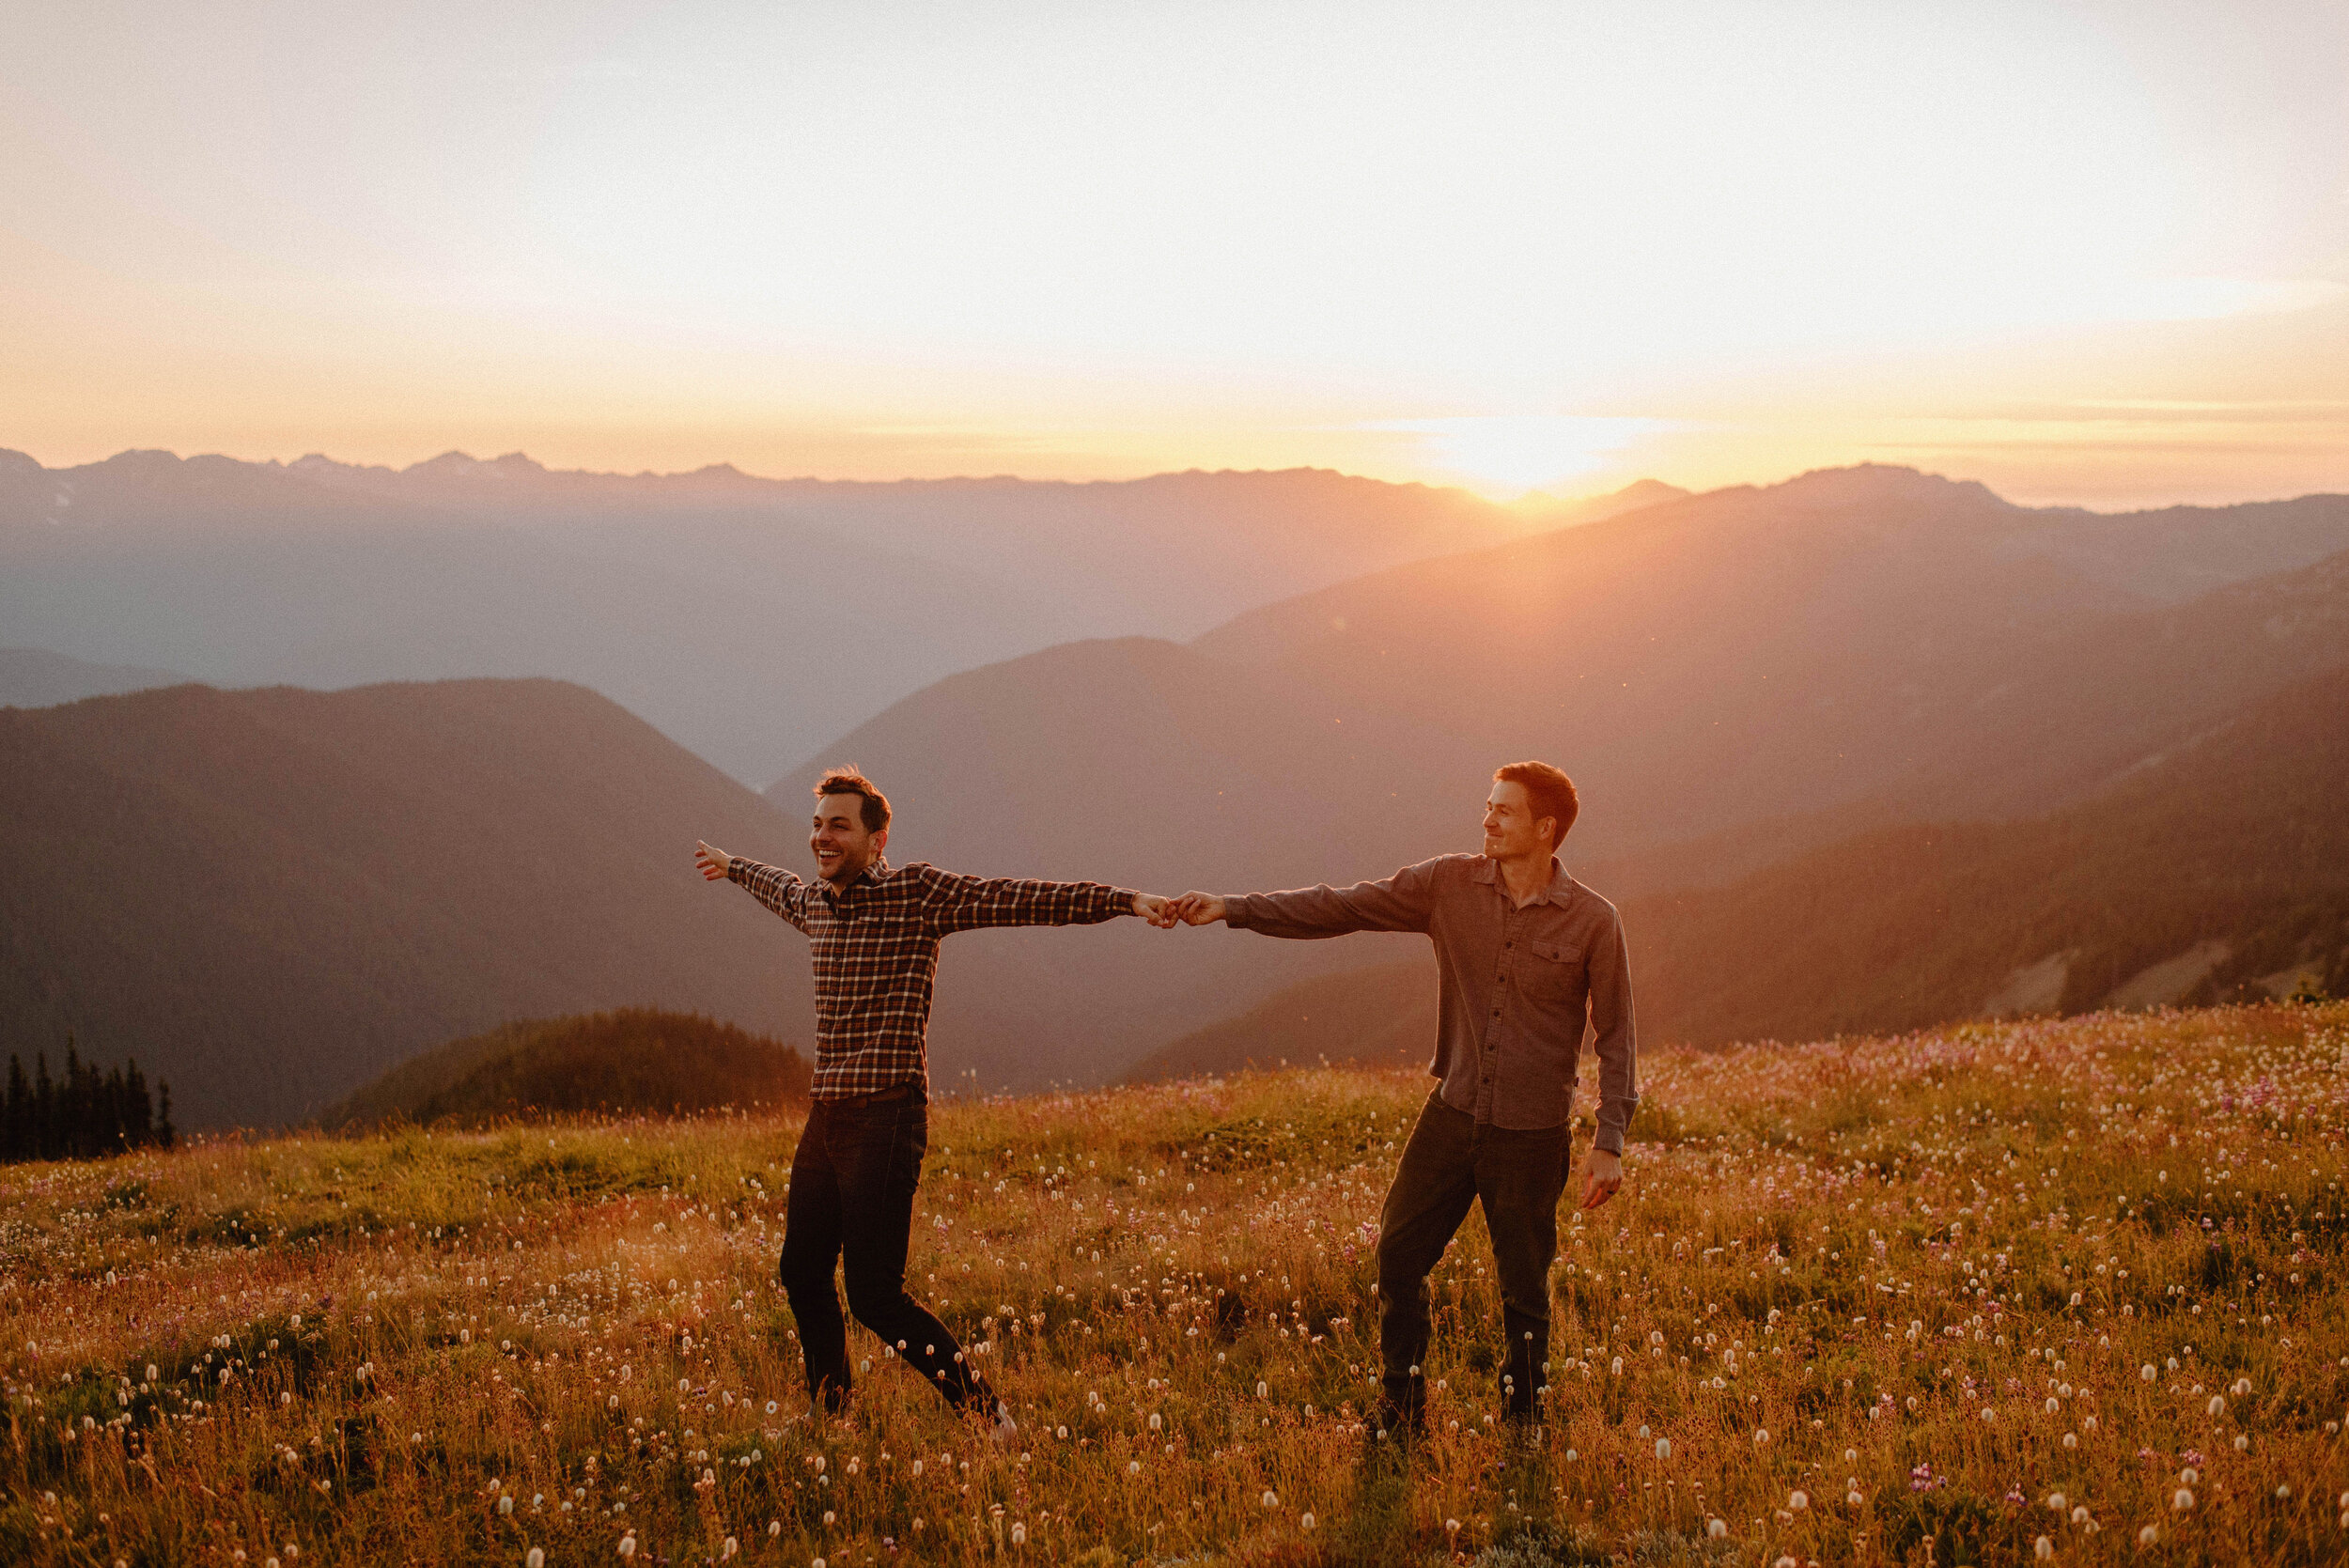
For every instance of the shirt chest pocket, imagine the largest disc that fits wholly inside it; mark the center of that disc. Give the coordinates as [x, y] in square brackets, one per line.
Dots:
[1552, 971]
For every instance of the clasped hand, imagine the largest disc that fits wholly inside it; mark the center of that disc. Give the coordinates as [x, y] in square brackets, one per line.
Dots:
[1191, 909]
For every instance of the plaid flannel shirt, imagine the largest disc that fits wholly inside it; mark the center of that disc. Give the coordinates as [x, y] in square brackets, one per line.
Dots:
[875, 949]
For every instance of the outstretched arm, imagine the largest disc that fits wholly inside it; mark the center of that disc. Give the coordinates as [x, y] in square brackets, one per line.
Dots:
[1402, 901]
[779, 890]
[968, 903]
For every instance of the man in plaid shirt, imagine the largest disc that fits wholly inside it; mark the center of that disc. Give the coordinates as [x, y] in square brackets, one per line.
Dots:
[872, 932]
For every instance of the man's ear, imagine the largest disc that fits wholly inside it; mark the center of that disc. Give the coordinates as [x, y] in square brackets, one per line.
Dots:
[880, 841]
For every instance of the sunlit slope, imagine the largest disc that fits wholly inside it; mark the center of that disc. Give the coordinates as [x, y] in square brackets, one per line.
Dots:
[1752, 654]
[269, 896]
[2218, 871]
[1879, 1300]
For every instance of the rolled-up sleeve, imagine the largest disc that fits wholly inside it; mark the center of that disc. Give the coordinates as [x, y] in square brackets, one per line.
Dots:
[1402, 902]
[1615, 1037]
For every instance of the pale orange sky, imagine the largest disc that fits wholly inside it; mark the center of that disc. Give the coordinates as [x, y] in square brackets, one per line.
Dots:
[2089, 253]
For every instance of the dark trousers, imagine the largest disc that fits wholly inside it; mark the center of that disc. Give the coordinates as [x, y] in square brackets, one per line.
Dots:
[851, 1205]
[1451, 1161]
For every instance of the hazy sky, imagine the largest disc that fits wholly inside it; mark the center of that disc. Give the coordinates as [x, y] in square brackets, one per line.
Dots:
[2091, 252]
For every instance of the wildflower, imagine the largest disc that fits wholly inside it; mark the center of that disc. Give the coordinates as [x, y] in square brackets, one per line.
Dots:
[1271, 1500]
[506, 1505]
[1716, 1528]
[2184, 1501]
[627, 1546]
[2056, 1503]
[2147, 1372]
[2242, 1387]
[2043, 1548]
[1018, 1534]
[1663, 1447]
[1797, 1501]
[1761, 1435]
[535, 1557]
[2147, 1536]
[1305, 1523]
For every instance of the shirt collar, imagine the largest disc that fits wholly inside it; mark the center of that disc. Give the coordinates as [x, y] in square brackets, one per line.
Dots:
[876, 871]
[1560, 891]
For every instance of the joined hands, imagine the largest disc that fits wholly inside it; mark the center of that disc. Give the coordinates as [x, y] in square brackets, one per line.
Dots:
[1191, 909]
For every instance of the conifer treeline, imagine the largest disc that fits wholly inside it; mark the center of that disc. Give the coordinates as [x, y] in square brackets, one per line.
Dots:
[86, 1115]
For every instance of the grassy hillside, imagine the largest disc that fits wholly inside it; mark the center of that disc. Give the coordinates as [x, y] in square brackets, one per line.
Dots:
[1877, 1301]
[270, 896]
[630, 1060]
[2217, 872]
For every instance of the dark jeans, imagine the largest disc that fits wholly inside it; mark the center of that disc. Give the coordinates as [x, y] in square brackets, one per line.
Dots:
[851, 1203]
[1450, 1163]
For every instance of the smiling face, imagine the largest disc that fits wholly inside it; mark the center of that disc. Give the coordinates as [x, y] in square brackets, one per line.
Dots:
[842, 845]
[1512, 832]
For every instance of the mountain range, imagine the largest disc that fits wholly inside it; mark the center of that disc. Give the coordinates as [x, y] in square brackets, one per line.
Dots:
[1733, 679]
[1880, 684]
[749, 619]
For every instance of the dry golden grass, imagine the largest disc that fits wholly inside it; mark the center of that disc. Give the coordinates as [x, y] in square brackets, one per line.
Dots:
[1916, 1281]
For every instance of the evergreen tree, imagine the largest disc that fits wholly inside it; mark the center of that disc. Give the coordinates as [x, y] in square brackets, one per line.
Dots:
[16, 1128]
[93, 1113]
[44, 1109]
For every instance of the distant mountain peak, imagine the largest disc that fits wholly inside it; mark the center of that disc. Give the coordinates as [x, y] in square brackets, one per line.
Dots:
[1877, 482]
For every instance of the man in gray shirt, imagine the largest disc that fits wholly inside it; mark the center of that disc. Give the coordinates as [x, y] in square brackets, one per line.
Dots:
[1526, 957]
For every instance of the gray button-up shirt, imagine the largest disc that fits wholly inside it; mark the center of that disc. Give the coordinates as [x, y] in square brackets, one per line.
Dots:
[1517, 985]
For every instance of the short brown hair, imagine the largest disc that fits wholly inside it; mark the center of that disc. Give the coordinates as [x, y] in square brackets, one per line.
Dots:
[848, 781]
[1551, 791]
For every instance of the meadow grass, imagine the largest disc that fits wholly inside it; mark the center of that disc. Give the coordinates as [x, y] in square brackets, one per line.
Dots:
[1876, 1300]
